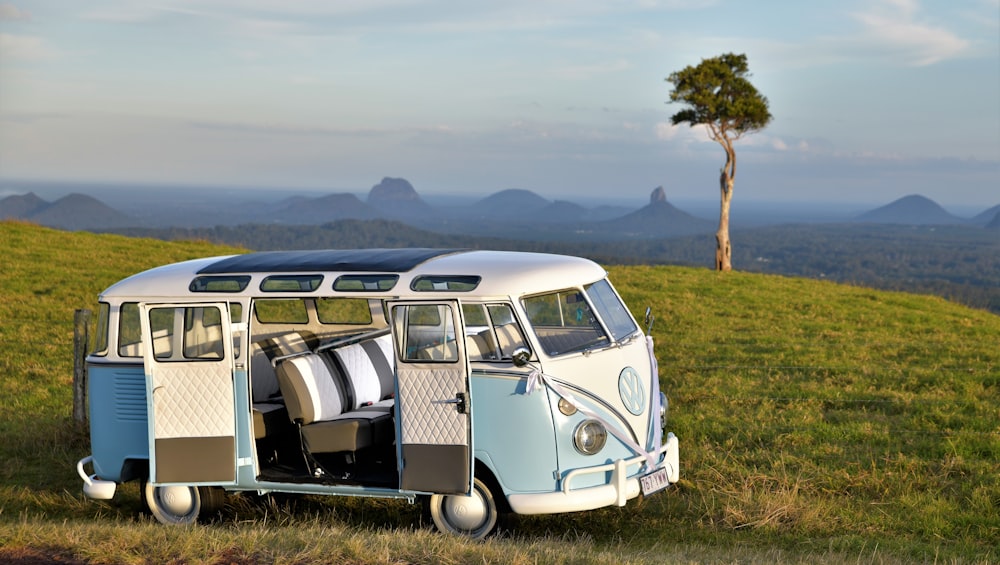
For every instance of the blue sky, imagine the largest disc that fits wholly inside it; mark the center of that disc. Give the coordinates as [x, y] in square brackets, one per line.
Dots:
[872, 100]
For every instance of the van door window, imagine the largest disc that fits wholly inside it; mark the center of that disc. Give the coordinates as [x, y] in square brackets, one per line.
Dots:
[428, 333]
[200, 334]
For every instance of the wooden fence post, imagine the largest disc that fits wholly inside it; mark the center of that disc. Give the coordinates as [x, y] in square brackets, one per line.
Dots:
[81, 339]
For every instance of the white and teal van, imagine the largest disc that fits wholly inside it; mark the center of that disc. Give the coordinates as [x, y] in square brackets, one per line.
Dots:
[482, 382]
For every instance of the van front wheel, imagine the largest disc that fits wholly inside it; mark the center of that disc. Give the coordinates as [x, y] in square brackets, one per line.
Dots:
[474, 516]
[173, 505]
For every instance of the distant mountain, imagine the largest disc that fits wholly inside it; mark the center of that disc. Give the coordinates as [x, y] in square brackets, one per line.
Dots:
[910, 210]
[994, 223]
[984, 218]
[659, 218]
[71, 212]
[321, 210]
[513, 200]
[608, 212]
[21, 206]
[396, 198]
[563, 211]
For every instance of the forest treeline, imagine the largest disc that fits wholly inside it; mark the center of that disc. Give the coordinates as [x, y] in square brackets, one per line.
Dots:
[959, 263]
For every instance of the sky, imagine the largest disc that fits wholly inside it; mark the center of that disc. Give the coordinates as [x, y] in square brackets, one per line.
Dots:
[872, 100]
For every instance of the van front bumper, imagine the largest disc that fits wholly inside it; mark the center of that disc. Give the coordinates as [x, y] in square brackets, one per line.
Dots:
[619, 490]
[92, 486]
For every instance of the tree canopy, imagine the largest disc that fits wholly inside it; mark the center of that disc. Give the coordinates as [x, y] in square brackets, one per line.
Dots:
[720, 96]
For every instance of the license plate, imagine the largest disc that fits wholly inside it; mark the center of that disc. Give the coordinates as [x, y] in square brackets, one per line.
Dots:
[653, 482]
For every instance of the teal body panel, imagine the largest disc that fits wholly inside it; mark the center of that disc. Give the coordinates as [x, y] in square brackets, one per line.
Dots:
[514, 432]
[570, 458]
[118, 423]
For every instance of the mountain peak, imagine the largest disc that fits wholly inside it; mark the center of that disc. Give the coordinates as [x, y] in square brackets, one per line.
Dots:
[392, 190]
[910, 210]
[513, 199]
[658, 195]
[21, 206]
[396, 198]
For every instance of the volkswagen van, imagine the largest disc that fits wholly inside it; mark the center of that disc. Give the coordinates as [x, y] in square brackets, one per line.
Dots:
[478, 382]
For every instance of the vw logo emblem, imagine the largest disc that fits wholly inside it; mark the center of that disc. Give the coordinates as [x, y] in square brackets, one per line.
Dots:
[631, 391]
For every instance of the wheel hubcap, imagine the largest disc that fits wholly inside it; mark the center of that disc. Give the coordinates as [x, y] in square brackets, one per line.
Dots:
[178, 501]
[465, 512]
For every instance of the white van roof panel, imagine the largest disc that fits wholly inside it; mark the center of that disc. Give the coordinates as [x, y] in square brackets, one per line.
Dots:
[503, 273]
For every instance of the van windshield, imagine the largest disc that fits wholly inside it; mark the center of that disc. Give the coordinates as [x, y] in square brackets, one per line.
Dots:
[611, 309]
[565, 321]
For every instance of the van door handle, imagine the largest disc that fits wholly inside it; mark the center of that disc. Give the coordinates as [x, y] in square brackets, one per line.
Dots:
[458, 401]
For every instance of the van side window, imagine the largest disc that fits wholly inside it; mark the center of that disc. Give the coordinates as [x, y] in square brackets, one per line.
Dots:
[129, 333]
[564, 322]
[343, 311]
[491, 332]
[204, 320]
[101, 335]
[281, 311]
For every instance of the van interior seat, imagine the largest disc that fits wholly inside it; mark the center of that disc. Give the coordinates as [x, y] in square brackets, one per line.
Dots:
[269, 413]
[510, 338]
[336, 411]
[478, 346]
[369, 370]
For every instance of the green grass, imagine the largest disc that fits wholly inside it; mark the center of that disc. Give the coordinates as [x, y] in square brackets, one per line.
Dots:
[818, 422]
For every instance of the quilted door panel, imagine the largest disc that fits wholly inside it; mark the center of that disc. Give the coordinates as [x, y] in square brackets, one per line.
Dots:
[192, 400]
[435, 443]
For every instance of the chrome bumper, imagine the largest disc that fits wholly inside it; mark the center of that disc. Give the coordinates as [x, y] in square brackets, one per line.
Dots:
[619, 490]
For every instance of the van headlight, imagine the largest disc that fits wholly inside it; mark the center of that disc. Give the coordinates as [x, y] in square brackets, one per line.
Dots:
[664, 410]
[589, 437]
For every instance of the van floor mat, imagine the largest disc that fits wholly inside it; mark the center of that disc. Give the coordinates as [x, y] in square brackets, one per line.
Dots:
[334, 473]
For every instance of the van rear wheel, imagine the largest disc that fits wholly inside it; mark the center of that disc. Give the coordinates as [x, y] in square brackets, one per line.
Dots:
[181, 505]
[474, 516]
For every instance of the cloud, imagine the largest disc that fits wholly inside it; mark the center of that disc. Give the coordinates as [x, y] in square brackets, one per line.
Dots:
[895, 26]
[666, 131]
[11, 13]
[24, 48]
[587, 72]
[296, 130]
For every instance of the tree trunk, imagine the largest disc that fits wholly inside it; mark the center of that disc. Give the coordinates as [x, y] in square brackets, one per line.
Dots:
[723, 247]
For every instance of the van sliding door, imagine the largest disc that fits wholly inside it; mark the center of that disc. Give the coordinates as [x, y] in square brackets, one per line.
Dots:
[433, 403]
[188, 357]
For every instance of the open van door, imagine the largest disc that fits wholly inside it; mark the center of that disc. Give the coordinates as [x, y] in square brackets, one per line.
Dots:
[434, 410]
[188, 356]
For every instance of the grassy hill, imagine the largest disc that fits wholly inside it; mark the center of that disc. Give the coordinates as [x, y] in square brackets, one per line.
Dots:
[818, 422]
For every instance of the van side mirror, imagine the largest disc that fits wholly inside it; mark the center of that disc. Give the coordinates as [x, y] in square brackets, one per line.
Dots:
[520, 356]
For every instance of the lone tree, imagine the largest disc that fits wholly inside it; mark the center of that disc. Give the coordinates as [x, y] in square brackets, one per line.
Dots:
[720, 97]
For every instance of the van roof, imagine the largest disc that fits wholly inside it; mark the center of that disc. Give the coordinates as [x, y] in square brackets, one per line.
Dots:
[325, 260]
[501, 273]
